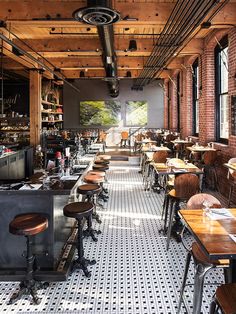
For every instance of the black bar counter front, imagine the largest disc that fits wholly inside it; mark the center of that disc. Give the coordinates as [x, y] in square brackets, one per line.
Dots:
[53, 253]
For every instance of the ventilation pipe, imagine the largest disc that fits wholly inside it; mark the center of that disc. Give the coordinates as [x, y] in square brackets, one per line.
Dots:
[99, 13]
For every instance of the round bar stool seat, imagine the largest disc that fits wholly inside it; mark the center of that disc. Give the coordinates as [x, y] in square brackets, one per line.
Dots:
[29, 225]
[89, 189]
[93, 178]
[80, 210]
[104, 157]
[100, 173]
[100, 167]
[101, 162]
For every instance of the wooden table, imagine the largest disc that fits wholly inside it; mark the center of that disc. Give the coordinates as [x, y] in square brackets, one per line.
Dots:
[213, 238]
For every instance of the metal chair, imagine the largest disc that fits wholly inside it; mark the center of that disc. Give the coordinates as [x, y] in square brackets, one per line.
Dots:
[185, 186]
[201, 263]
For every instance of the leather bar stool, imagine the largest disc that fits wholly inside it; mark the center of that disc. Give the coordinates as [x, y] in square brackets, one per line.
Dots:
[225, 299]
[79, 211]
[100, 167]
[97, 179]
[101, 162]
[104, 157]
[29, 225]
[100, 173]
[89, 191]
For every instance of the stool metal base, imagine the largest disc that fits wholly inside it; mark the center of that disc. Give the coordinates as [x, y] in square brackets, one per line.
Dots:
[29, 288]
[82, 263]
[90, 232]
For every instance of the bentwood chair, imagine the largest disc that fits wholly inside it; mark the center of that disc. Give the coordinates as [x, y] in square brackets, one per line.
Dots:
[201, 262]
[225, 299]
[185, 186]
[158, 157]
[210, 175]
[232, 179]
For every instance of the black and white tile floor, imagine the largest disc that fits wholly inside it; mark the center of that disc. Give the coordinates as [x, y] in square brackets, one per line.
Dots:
[134, 273]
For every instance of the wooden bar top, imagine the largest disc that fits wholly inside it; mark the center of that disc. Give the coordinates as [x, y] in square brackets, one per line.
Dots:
[212, 235]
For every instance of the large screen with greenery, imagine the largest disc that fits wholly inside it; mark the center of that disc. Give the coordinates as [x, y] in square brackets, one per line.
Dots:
[136, 113]
[100, 113]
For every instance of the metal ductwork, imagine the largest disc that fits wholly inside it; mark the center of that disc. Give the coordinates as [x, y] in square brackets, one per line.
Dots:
[99, 13]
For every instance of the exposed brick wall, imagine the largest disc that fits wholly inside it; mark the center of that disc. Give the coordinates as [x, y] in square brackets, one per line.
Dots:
[206, 99]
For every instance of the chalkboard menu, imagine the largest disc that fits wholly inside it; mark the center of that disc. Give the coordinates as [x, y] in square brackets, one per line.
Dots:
[233, 115]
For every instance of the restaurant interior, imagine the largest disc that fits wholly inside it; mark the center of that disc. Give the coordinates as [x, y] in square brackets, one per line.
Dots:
[118, 156]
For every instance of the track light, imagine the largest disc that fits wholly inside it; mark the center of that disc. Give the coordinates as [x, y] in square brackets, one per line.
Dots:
[81, 74]
[132, 45]
[128, 74]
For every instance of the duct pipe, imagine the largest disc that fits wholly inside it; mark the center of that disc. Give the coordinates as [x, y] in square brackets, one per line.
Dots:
[99, 13]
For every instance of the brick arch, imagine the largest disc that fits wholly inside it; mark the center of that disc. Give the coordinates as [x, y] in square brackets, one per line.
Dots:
[210, 41]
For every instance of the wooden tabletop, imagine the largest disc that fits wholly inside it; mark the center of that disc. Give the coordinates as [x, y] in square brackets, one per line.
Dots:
[182, 168]
[199, 148]
[231, 166]
[212, 235]
[149, 152]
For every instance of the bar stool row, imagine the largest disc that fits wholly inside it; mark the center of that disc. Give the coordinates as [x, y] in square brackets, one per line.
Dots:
[31, 224]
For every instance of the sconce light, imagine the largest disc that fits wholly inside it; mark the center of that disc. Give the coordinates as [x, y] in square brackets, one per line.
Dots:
[128, 74]
[81, 74]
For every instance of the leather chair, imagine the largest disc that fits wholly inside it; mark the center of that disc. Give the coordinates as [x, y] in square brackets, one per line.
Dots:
[225, 299]
[185, 186]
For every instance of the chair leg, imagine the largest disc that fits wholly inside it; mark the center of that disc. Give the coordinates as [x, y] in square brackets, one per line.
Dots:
[230, 195]
[213, 307]
[200, 271]
[188, 259]
[171, 218]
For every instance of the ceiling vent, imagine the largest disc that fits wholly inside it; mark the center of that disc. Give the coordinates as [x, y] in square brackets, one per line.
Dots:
[97, 15]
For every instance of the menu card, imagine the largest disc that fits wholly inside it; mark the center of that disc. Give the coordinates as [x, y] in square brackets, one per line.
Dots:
[31, 187]
[219, 214]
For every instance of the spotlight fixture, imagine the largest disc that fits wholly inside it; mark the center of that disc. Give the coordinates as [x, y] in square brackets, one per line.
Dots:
[81, 74]
[132, 45]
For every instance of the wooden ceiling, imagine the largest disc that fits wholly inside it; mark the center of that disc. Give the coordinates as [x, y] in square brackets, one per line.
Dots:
[47, 31]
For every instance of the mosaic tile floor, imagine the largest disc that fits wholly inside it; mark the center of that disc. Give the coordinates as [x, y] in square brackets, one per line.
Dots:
[134, 274]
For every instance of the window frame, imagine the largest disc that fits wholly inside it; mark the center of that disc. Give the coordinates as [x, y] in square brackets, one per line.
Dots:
[178, 101]
[218, 93]
[195, 95]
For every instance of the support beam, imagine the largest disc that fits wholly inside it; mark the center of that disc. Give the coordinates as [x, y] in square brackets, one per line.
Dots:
[35, 107]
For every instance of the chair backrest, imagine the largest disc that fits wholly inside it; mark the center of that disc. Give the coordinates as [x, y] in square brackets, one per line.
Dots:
[124, 135]
[196, 201]
[231, 171]
[209, 157]
[139, 137]
[160, 156]
[170, 137]
[186, 185]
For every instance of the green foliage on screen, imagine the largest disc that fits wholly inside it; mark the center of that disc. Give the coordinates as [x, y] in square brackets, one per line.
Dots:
[100, 113]
[136, 113]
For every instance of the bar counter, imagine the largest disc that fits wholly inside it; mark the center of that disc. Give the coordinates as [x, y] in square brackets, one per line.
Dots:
[53, 253]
